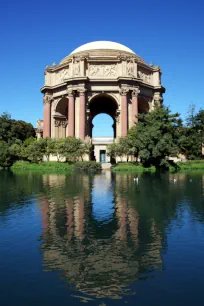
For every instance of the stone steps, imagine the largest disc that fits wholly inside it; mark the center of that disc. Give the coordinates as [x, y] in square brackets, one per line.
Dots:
[106, 166]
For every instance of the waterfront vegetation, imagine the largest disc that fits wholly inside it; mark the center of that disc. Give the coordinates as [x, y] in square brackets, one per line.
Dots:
[157, 136]
[180, 166]
[57, 166]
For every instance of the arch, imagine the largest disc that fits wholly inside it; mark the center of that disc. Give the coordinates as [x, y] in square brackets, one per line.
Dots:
[102, 103]
[62, 107]
[60, 117]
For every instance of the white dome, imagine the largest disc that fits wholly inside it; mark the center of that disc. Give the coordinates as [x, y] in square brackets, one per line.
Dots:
[107, 45]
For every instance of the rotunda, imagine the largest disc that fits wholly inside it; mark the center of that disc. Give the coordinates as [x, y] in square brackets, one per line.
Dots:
[98, 77]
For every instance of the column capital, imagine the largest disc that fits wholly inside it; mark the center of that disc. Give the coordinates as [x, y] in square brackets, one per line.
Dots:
[70, 92]
[48, 98]
[81, 91]
[135, 92]
[123, 91]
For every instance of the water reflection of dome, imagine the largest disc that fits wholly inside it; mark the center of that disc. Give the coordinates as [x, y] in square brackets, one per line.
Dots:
[96, 266]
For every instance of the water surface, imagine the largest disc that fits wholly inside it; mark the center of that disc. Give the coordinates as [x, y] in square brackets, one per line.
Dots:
[101, 239]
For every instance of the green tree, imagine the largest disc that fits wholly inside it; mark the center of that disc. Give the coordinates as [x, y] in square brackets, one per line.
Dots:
[59, 148]
[35, 151]
[5, 155]
[192, 135]
[75, 148]
[156, 136]
[11, 129]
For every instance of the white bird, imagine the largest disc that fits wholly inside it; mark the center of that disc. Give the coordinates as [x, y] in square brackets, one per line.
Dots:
[175, 180]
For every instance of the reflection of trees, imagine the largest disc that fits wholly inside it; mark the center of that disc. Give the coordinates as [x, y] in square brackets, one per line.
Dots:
[97, 264]
[102, 257]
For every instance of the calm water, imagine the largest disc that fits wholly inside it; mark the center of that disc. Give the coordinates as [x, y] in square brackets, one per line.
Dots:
[101, 240]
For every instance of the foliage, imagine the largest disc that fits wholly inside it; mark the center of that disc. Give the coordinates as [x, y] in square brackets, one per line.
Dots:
[132, 167]
[75, 148]
[88, 166]
[123, 148]
[5, 155]
[11, 129]
[47, 166]
[156, 136]
[191, 165]
[35, 151]
[192, 136]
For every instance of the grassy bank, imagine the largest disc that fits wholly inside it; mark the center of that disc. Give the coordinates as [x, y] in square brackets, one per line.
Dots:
[192, 165]
[134, 167]
[43, 166]
[57, 166]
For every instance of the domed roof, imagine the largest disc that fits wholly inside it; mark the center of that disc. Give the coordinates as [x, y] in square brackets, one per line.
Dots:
[105, 45]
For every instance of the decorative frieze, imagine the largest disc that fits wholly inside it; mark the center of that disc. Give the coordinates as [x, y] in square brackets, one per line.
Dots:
[145, 77]
[106, 70]
[59, 123]
[63, 74]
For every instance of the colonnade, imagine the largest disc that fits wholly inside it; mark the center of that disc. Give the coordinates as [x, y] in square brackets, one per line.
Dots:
[123, 111]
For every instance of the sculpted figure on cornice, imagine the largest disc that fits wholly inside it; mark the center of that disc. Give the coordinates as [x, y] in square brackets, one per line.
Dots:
[145, 77]
[77, 67]
[130, 68]
[102, 70]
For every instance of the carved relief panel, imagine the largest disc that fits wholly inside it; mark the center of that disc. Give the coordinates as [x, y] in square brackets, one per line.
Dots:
[145, 76]
[60, 128]
[61, 75]
[105, 70]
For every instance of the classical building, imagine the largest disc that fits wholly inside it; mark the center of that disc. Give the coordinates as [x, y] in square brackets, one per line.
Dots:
[98, 77]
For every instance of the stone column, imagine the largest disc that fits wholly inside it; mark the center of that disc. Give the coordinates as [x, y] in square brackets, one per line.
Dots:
[82, 110]
[71, 114]
[124, 112]
[47, 115]
[135, 93]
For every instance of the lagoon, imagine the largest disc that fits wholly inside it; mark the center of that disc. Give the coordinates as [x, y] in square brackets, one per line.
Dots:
[101, 239]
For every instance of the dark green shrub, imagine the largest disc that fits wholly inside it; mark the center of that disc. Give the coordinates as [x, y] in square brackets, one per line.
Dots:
[5, 156]
[87, 166]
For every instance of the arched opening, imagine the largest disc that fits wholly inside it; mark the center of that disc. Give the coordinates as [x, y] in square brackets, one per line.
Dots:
[105, 105]
[102, 125]
[60, 118]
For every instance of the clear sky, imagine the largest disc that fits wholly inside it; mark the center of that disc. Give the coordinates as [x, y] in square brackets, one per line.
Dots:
[37, 33]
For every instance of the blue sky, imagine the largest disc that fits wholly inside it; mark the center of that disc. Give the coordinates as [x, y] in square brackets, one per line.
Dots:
[37, 33]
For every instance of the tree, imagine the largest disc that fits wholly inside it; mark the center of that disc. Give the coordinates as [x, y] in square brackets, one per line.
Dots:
[5, 155]
[156, 136]
[11, 129]
[35, 151]
[59, 148]
[75, 148]
[192, 135]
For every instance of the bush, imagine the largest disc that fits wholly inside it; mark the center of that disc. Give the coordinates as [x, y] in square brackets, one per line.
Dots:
[88, 166]
[5, 156]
